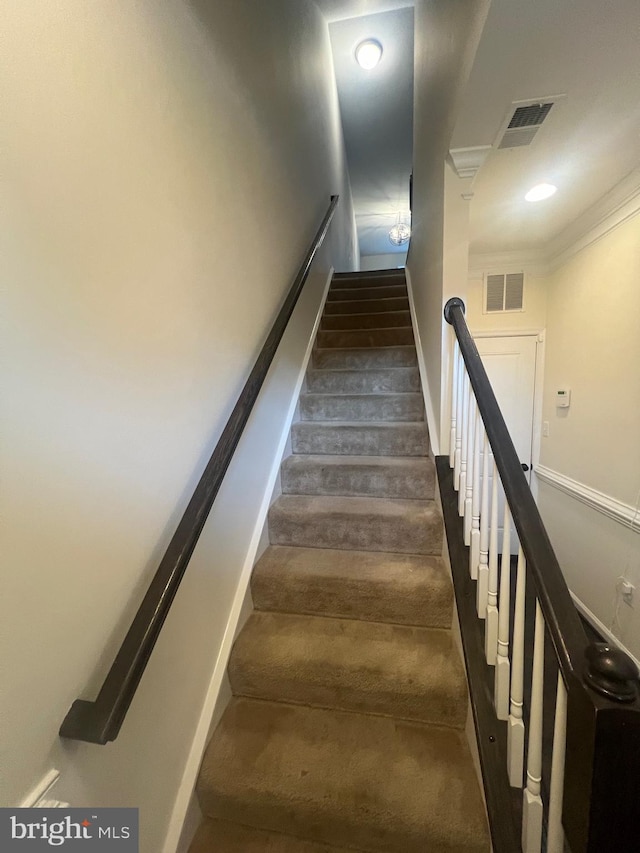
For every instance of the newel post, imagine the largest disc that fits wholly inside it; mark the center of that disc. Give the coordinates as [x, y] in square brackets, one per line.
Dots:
[602, 769]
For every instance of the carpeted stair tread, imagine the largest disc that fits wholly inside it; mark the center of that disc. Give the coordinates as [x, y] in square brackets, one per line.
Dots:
[406, 406]
[379, 380]
[356, 780]
[345, 731]
[367, 306]
[357, 338]
[404, 589]
[370, 667]
[362, 523]
[360, 439]
[412, 478]
[366, 321]
[221, 836]
[365, 358]
[383, 291]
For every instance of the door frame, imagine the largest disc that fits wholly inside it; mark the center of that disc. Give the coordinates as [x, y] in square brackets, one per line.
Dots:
[538, 387]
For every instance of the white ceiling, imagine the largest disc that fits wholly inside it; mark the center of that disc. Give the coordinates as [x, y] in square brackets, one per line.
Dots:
[339, 10]
[588, 50]
[377, 117]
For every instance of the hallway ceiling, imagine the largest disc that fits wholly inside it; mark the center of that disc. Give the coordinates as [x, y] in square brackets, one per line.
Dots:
[339, 10]
[377, 119]
[588, 51]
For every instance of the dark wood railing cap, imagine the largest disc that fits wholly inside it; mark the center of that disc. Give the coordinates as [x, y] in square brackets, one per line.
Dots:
[454, 302]
[611, 672]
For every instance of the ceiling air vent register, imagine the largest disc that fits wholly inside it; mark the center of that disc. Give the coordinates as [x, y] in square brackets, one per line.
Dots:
[504, 292]
[524, 124]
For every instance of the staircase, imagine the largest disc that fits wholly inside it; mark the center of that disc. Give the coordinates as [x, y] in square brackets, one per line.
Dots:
[345, 731]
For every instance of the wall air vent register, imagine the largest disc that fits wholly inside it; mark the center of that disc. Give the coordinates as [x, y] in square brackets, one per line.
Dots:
[504, 292]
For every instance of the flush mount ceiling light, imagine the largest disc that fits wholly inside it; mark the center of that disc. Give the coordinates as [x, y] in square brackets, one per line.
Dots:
[540, 192]
[368, 53]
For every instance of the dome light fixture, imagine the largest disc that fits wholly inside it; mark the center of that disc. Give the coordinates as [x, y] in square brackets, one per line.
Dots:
[368, 53]
[540, 192]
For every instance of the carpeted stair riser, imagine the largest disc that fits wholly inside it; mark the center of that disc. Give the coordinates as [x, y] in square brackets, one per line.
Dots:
[370, 524]
[353, 476]
[366, 306]
[366, 439]
[397, 291]
[396, 380]
[377, 280]
[390, 319]
[404, 589]
[361, 407]
[221, 836]
[369, 667]
[356, 780]
[367, 358]
[366, 338]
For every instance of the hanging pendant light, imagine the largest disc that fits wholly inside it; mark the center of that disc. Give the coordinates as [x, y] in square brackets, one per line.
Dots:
[399, 233]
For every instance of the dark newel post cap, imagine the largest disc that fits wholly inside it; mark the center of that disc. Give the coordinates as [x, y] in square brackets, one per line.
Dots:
[454, 302]
[611, 672]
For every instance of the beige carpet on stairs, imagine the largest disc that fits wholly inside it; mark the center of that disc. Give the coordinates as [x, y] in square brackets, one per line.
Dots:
[346, 727]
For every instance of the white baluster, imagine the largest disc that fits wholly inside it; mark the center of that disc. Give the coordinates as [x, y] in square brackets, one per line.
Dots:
[491, 623]
[483, 563]
[459, 422]
[532, 808]
[454, 402]
[515, 730]
[468, 501]
[503, 665]
[555, 835]
[474, 549]
[462, 489]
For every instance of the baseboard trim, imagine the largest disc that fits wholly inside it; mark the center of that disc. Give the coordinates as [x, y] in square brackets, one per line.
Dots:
[211, 706]
[434, 440]
[623, 513]
[601, 628]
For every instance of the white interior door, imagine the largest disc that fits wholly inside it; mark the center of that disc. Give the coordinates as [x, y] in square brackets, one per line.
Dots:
[510, 363]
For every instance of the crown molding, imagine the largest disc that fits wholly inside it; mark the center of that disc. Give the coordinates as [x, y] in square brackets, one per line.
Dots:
[613, 209]
[467, 161]
[619, 511]
[610, 211]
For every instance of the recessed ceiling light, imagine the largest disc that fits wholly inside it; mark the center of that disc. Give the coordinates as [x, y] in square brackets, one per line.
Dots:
[540, 192]
[368, 53]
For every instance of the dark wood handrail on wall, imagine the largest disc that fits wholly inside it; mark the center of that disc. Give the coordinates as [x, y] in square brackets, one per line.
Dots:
[602, 764]
[100, 721]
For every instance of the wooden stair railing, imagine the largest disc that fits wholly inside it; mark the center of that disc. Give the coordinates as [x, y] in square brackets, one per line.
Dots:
[100, 721]
[589, 794]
